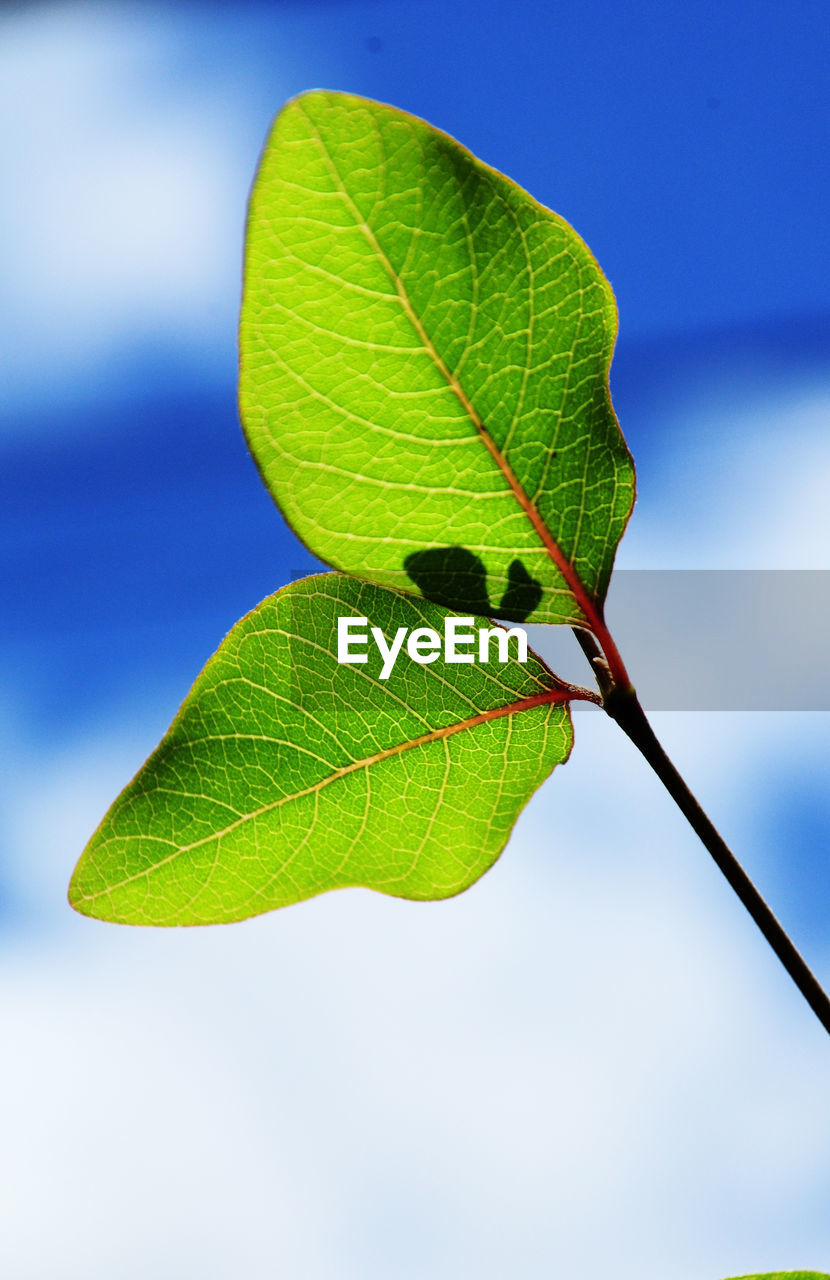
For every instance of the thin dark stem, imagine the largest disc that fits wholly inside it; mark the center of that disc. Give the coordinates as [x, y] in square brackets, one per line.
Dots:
[599, 665]
[623, 706]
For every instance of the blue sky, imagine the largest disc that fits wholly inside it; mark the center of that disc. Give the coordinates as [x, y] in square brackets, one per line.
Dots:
[589, 1061]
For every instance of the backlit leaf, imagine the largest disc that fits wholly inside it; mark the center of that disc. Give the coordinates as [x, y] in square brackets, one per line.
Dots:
[424, 367]
[786, 1275]
[287, 773]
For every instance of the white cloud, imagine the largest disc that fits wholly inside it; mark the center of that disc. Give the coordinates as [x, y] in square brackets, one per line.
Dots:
[127, 167]
[739, 488]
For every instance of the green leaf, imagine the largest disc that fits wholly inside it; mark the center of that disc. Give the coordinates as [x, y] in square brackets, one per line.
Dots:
[287, 773]
[424, 367]
[786, 1275]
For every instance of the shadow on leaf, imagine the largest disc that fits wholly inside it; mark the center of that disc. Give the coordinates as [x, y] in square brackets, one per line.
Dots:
[455, 578]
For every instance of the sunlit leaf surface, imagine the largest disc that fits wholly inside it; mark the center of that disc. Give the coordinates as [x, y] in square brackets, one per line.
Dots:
[786, 1275]
[287, 773]
[424, 378]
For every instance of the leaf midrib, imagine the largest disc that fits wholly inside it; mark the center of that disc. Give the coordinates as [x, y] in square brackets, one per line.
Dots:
[551, 697]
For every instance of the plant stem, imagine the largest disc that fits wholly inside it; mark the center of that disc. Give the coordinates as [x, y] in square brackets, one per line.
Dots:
[623, 706]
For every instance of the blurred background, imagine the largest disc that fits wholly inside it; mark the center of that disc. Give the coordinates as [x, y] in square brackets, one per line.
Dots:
[590, 1063]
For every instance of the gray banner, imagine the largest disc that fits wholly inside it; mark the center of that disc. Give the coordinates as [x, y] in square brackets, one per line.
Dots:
[713, 640]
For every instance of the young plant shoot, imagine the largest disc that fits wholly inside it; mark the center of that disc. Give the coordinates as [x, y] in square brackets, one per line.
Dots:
[424, 388]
